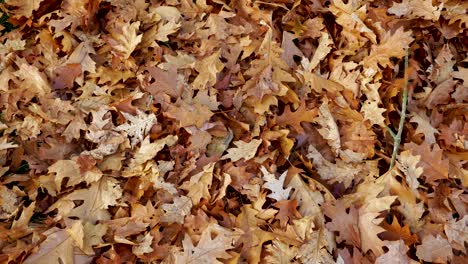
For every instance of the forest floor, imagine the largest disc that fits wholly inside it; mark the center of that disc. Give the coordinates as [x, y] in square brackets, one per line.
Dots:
[214, 131]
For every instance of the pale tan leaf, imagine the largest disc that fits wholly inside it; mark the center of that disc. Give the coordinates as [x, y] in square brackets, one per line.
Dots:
[138, 126]
[96, 200]
[416, 9]
[424, 127]
[322, 50]
[124, 38]
[60, 246]
[369, 223]
[280, 252]
[177, 211]
[198, 186]
[208, 249]
[144, 245]
[309, 200]
[207, 70]
[408, 165]
[434, 249]
[275, 185]
[165, 29]
[24, 8]
[396, 254]
[243, 150]
[329, 129]
[457, 233]
[373, 112]
[391, 46]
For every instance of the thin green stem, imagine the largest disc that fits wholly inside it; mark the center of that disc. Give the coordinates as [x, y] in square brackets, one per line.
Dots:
[390, 131]
[397, 137]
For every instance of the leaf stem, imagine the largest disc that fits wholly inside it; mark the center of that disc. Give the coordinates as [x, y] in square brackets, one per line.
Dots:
[397, 137]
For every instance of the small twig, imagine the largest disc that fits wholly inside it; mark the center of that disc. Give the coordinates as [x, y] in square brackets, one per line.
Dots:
[397, 137]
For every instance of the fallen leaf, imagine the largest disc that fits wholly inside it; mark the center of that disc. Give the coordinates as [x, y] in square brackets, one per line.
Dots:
[396, 254]
[208, 249]
[434, 249]
[275, 185]
[408, 164]
[243, 150]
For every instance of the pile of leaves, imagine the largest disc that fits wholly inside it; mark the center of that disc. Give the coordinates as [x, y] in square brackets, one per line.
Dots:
[202, 131]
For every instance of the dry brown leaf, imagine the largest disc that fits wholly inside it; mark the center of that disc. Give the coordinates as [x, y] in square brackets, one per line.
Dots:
[434, 249]
[243, 150]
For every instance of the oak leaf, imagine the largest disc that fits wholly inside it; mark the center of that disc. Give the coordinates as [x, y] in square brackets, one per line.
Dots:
[207, 69]
[280, 252]
[287, 211]
[9, 201]
[275, 185]
[391, 46]
[243, 150]
[424, 127]
[198, 186]
[408, 164]
[309, 200]
[70, 169]
[457, 233]
[24, 8]
[396, 232]
[61, 246]
[269, 71]
[329, 129]
[317, 248]
[432, 161]
[334, 172]
[4, 144]
[34, 81]
[369, 223]
[124, 38]
[416, 9]
[294, 119]
[190, 114]
[138, 127]
[396, 254]
[322, 50]
[290, 49]
[81, 56]
[344, 221]
[373, 112]
[254, 236]
[434, 249]
[148, 151]
[213, 245]
[144, 245]
[176, 211]
[96, 200]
